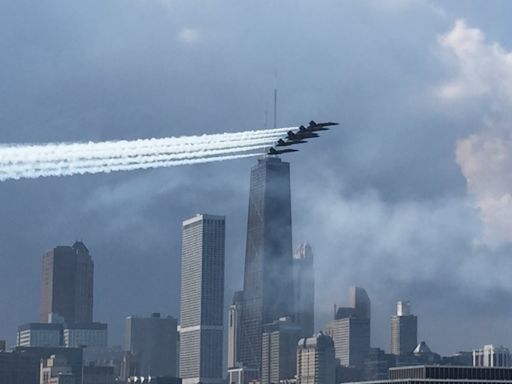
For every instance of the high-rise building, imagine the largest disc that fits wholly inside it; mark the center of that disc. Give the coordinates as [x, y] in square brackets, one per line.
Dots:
[67, 284]
[491, 356]
[304, 285]
[152, 343]
[350, 329]
[279, 350]
[316, 363]
[268, 285]
[234, 317]
[202, 297]
[404, 329]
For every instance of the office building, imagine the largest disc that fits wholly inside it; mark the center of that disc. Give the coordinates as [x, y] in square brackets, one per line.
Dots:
[436, 374]
[491, 356]
[85, 335]
[19, 368]
[234, 329]
[279, 350]
[55, 370]
[67, 284]
[350, 329]
[39, 335]
[304, 289]
[377, 365]
[2, 345]
[404, 329]
[73, 357]
[202, 297]
[316, 363]
[98, 374]
[242, 375]
[151, 344]
[268, 284]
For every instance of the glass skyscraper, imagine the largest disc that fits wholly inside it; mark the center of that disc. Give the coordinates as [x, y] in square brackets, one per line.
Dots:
[202, 299]
[268, 285]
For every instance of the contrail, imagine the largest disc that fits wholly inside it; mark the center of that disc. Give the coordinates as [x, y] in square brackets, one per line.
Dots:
[64, 159]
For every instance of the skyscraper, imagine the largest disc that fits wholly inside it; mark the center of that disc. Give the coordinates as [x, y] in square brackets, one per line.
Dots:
[404, 329]
[316, 363]
[152, 344]
[67, 284]
[350, 329]
[304, 285]
[234, 331]
[268, 284]
[202, 296]
[279, 350]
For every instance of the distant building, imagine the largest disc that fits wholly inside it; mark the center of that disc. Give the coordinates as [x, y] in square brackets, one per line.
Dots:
[67, 284]
[377, 365]
[242, 375]
[98, 374]
[234, 329]
[39, 335]
[316, 362]
[304, 285]
[2, 345]
[268, 281]
[202, 297]
[151, 342]
[73, 357]
[279, 351]
[105, 357]
[55, 370]
[19, 368]
[350, 330]
[404, 329]
[85, 335]
[435, 374]
[491, 356]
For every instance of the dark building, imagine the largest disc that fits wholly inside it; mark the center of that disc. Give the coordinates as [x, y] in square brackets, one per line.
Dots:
[447, 374]
[2, 345]
[151, 343]
[268, 285]
[377, 365]
[404, 329]
[19, 368]
[304, 285]
[98, 374]
[73, 356]
[67, 284]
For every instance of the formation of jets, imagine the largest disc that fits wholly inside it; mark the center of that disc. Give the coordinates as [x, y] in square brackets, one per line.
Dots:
[297, 137]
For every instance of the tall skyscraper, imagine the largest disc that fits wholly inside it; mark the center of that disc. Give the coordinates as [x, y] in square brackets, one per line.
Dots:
[67, 284]
[316, 362]
[304, 285]
[202, 296]
[234, 331]
[350, 329]
[404, 329]
[279, 351]
[268, 284]
[152, 344]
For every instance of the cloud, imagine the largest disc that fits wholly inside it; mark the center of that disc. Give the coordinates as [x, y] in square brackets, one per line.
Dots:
[484, 76]
[190, 36]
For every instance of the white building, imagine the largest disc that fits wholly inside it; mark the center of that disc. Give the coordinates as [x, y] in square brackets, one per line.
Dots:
[316, 362]
[491, 356]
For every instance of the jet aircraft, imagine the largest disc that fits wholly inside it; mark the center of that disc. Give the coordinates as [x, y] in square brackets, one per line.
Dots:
[282, 143]
[300, 135]
[273, 151]
[313, 126]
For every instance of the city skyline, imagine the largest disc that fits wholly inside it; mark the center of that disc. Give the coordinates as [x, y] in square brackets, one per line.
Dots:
[385, 201]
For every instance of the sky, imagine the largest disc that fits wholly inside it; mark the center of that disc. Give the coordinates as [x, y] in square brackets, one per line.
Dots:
[410, 197]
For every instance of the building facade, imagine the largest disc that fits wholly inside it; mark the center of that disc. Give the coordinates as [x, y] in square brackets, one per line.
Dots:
[234, 329]
[93, 335]
[279, 351]
[202, 297]
[67, 284]
[268, 284]
[404, 329]
[491, 356]
[304, 289]
[316, 362]
[39, 335]
[151, 344]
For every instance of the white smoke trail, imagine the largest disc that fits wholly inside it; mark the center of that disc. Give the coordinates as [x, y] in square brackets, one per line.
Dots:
[32, 161]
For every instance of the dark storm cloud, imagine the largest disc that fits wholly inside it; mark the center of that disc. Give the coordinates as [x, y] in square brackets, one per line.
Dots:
[381, 199]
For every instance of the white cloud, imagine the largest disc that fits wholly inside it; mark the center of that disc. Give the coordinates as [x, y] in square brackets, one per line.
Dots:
[190, 36]
[484, 74]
